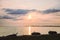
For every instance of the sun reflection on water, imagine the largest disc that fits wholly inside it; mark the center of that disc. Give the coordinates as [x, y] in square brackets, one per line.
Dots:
[29, 31]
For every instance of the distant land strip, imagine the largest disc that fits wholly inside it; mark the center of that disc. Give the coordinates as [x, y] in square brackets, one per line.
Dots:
[43, 26]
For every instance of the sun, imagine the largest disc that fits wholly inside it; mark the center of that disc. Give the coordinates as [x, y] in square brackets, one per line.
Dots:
[29, 17]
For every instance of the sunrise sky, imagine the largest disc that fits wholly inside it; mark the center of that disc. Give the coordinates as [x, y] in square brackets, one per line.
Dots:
[18, 15]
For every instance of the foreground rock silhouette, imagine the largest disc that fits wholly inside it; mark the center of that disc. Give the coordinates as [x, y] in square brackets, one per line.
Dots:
[34, 36]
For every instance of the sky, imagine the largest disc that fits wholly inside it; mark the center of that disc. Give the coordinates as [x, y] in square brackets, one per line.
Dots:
[30, 4]
[17, 15]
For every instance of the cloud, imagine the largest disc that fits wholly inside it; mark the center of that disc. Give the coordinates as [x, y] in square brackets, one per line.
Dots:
[20, 19]
[6, 17]
[16, 11]
[51, 11]
[5, 14]
[10, 17]
[20, 14]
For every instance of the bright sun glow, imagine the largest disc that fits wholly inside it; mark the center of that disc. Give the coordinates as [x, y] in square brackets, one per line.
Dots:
[29, 16]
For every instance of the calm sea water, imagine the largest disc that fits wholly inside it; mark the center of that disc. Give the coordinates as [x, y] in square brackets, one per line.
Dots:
[42, 30]
[26, 30]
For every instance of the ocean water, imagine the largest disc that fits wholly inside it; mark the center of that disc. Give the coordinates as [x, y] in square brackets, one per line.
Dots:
[42, 30]
[4, 31]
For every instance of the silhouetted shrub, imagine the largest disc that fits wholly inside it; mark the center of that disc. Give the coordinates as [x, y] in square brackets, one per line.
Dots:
[35, 33]
[52, 33]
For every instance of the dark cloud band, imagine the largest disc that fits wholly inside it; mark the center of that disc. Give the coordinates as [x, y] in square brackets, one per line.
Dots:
[51, 11]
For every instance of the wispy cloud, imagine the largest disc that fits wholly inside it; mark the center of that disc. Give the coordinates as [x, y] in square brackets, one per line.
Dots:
[16, 11]
[6, 17]
[51, 11]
